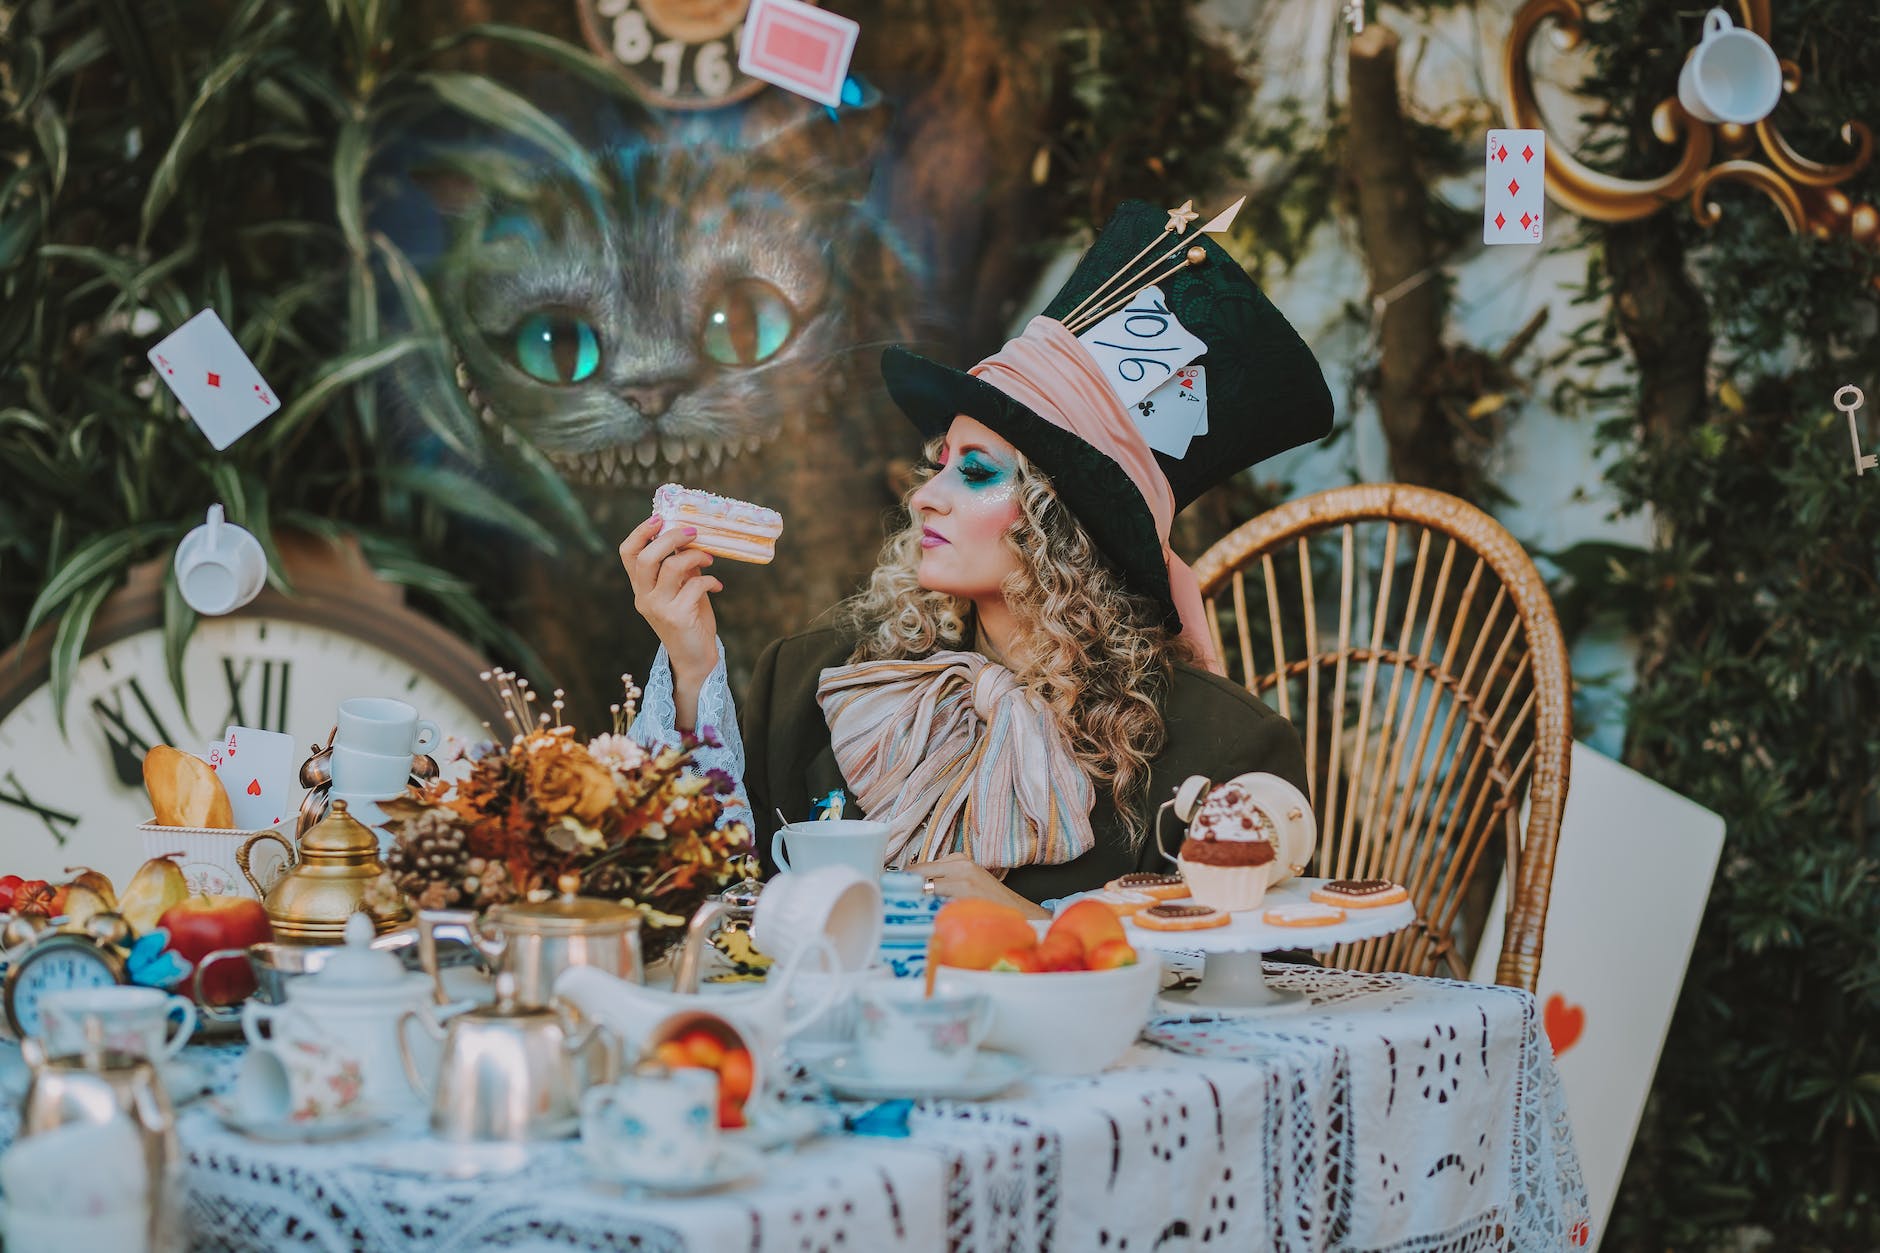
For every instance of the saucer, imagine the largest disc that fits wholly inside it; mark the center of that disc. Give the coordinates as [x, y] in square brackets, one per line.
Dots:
[311, 1131]
[991, 1074]
[185, 1079]
[735, 1163]
[776, 1125]
[428, 1158]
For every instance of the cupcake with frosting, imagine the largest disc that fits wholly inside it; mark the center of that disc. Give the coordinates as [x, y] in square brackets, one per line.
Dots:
[1231, 851]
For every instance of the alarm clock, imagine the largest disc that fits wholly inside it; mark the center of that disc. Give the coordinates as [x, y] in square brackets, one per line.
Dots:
[53, 963]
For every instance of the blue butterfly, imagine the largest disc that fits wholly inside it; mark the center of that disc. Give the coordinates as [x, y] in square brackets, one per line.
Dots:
[888, 1119]
[153, 964]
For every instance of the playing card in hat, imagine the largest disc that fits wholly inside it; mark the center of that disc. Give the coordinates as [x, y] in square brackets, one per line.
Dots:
[215, 381]
[1514, 194]
[1141, 345]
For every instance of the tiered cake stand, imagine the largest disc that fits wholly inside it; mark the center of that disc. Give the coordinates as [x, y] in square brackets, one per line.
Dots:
[1232, 977]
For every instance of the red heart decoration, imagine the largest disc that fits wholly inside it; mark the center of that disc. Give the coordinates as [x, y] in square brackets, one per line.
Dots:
[1581, 1233]
[1563, 1022]
[1188, 382]
[254, 787]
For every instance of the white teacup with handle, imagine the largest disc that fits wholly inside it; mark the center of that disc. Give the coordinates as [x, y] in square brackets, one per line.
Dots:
[1733, 75]
[219, 566]
[853, 842]
[381, 725]
[144, 1022]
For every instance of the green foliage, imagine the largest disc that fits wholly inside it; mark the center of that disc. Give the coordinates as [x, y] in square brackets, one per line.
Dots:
[1761, 676]
[150, 174]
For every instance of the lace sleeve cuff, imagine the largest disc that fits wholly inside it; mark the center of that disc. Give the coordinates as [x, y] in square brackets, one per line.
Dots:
[657, 723]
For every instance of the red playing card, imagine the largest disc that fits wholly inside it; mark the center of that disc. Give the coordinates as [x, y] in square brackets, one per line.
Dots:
[798, 47]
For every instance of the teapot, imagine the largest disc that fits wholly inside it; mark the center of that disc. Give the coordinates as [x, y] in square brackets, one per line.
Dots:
[355, 1000]
[508, 1071]
[101, 1085]
[536, 941]
[760, 1019]
[329, 872]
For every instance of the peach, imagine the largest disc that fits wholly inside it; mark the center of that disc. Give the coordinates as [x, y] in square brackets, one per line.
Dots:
[1091, 923]
[1112, 954]
[972, 934]
[1020, 960]
[1061, 951]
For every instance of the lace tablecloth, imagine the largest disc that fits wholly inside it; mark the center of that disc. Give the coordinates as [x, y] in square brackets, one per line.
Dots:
[1392, 1113]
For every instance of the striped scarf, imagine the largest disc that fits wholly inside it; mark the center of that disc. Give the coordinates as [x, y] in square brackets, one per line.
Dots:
[953, 753]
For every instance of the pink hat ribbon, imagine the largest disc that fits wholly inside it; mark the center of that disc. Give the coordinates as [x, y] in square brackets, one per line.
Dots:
[1049, 372]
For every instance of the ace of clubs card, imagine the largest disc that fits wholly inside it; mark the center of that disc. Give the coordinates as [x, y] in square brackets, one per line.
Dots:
[1176, 412]
[214, 379]
[1514, 196]
[257, 770]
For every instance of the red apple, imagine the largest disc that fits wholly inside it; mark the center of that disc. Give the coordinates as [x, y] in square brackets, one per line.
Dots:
[202, 924]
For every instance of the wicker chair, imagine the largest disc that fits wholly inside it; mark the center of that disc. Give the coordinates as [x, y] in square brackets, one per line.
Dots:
[1417, 651]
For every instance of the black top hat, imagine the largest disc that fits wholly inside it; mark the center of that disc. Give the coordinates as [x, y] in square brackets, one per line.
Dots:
[1265, 393]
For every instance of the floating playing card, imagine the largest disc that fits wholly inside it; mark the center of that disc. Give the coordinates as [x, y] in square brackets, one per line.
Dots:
[1515, 196]
[1140, 346]
[219, 386]
[798, 47]
[257, 770]
[1174, 413]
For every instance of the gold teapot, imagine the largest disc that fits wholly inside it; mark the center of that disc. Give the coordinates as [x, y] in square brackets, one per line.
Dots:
[328, 876]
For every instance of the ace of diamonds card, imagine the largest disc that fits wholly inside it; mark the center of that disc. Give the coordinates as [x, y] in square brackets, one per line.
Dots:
[1515, 193]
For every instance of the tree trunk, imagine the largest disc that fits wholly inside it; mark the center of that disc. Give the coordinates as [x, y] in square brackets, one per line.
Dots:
[1399, 252]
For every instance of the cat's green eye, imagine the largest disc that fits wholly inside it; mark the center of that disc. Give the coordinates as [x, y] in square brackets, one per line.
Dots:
[747, 324]
[557, 347]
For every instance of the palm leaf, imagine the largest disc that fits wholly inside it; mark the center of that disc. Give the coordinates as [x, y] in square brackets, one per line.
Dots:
[68, 642]
[179, 623]
[577, 63]
[101, 557]
[495, 105]
[462, 495]
[332, 378]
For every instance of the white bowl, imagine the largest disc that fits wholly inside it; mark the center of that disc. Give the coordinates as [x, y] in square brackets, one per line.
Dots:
[1072, 1022]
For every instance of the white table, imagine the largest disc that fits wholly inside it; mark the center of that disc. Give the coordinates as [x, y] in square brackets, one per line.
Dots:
[1391, 1113]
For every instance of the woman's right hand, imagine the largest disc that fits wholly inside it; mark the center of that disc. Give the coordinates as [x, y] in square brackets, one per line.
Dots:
[673, 593]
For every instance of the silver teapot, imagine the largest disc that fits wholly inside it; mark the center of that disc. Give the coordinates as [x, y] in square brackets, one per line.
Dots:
[535, 941]
[508, 1071]
[102, 1085]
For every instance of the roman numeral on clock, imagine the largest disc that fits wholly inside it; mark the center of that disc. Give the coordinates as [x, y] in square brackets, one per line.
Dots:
[53, 818]
[128, 743]
[271, 712]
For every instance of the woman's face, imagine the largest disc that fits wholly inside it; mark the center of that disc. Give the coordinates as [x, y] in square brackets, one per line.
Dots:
[965, 510]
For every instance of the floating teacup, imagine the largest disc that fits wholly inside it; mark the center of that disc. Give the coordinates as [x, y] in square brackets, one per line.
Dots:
[219, 566]
[835, 902]
[1731, 76]
[378, 724]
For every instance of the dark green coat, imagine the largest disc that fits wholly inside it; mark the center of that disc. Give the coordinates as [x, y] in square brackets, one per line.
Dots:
[1214, 729]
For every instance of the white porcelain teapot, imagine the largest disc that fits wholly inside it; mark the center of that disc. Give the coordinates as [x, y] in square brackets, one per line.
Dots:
[351, 1005]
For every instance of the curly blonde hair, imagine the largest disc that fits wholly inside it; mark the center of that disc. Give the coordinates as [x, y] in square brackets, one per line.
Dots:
[1099, 654]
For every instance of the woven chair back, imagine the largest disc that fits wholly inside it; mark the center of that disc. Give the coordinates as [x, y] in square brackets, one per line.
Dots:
[1410, 640]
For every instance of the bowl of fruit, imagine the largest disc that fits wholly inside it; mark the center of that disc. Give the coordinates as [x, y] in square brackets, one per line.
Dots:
[1070, 1001]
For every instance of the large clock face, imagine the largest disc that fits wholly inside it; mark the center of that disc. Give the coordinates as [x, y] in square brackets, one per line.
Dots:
[678, 54]
[77, 798]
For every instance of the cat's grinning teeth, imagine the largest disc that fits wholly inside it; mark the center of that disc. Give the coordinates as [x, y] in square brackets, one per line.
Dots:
[646, 452]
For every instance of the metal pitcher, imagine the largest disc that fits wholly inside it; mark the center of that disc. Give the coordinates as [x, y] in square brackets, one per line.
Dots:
[508, 1071]
[101, 1085]
[536, 941]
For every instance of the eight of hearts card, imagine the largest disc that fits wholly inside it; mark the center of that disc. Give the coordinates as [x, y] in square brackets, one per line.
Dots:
[1514, 195]
[217, 384]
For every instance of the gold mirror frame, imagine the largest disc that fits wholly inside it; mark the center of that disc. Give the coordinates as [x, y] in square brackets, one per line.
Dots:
[1807, 192]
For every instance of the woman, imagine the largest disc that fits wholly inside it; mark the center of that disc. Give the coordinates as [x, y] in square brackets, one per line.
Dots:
[1029, 669]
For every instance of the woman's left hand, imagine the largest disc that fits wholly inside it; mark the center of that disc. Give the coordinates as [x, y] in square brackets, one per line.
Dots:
[958, 876]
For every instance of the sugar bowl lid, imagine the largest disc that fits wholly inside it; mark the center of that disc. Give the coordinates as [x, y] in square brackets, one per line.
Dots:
[568, 914]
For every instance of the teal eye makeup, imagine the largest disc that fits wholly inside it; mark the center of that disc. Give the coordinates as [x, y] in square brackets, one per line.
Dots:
[979, 472]
[557, 347]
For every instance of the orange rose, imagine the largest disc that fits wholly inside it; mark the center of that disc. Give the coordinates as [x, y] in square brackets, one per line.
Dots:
[566, 779]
